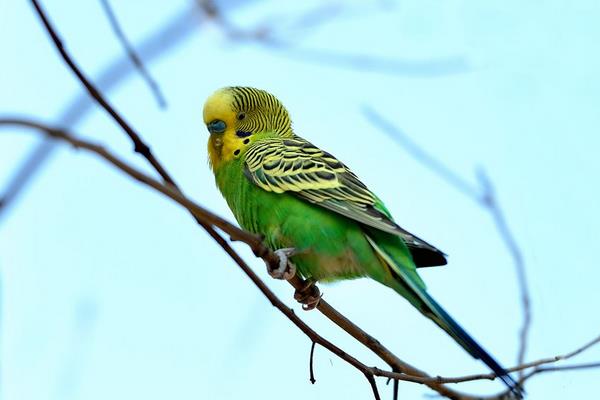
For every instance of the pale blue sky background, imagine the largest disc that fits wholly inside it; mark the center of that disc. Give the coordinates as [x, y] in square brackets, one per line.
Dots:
[111, 291]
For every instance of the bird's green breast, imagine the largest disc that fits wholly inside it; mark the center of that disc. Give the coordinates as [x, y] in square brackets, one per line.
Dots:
[330, 246]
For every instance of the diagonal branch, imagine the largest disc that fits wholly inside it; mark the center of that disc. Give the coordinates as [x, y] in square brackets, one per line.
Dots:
[132, 54]
[518, 368]
[139, 145]
[153, 46]
[489, 200]
[264, 37]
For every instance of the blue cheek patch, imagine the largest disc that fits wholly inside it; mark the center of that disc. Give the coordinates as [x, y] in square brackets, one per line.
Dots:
[243, 134]
[216, 126]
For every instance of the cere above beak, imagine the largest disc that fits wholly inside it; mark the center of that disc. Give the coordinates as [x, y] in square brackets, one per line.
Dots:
[216, 126]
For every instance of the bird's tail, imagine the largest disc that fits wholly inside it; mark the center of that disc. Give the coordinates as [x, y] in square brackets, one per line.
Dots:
[438, 315]
[409, 285]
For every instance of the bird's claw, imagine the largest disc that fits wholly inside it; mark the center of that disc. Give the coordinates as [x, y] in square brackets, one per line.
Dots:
[309, 295]
[286, 270]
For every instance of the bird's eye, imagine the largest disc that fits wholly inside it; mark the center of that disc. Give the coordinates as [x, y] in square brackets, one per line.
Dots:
[241, 116]
[216, 126]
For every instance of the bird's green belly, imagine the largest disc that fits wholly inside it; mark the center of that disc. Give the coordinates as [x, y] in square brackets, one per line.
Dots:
[329, 245]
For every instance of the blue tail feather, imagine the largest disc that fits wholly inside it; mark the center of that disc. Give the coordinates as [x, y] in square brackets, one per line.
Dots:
[408, 284]
[446, 322]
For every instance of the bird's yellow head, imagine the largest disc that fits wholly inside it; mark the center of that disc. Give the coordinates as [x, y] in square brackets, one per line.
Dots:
[235, 115]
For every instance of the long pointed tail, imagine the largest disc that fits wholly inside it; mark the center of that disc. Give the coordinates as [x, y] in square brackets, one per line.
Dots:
[408, 284]
[438, 315]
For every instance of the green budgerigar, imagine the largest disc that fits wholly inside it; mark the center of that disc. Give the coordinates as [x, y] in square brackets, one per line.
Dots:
[300, 197]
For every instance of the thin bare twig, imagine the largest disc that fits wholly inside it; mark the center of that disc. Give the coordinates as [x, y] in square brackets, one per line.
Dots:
[264, 37]
[567, 368]
[139, 145]
[491, 376]
[490, 201]
[536, 371]
[132, 54]
[421, 155]
[485, 196]
[424, 68]
[156, 44]
[310, 364]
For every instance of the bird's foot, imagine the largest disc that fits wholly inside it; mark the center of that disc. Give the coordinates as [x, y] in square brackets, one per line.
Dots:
[286, 270]
[309, 295]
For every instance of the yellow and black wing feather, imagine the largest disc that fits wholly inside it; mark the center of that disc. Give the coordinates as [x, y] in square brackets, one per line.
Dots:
[295, 165]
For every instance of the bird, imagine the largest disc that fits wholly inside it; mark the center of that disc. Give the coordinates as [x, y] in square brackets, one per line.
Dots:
[313, 211]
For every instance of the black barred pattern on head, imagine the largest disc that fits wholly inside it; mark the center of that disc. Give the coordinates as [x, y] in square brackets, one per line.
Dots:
[260, 111]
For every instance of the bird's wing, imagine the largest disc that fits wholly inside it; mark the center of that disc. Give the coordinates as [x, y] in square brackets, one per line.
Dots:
[296, 165]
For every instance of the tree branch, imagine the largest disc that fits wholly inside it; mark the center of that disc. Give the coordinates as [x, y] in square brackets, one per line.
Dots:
[310, 364]
[132, 54]
[264, 37]
[154, 45]
[491, 376]
[139, 145]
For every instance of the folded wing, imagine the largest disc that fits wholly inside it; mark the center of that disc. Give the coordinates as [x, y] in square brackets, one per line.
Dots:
[296, 165]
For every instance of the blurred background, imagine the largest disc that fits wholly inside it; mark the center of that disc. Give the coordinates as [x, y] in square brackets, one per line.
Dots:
[108, 290]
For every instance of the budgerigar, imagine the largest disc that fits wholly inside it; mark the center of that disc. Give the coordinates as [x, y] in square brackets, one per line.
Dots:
[300, 197]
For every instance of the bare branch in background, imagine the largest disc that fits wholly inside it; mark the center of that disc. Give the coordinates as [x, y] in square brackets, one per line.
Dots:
[518, 368]
[490, 201]
[24, 173]
[484, 196]
[315, 17]
[156, 44]
[138, 145]
[265, 36]
[132, 54]
[425, 68]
